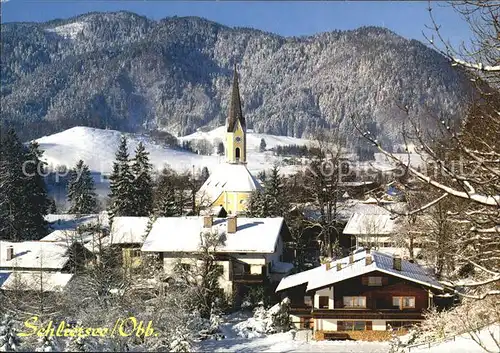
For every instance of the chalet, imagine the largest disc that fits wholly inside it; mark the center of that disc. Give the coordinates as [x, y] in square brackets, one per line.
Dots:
[251, 250]
[366, 291]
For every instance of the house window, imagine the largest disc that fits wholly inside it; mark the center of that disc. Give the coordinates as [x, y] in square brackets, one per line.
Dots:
[354, 325]
[374, 281]
[355, 302]
[308, 301]
[400, 325]
[135, 253]
[323, 302]
[184, 267]
[219, 269]
[403, 302]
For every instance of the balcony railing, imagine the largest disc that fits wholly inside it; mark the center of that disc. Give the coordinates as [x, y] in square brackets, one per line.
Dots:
[343, 313]
[247, 277]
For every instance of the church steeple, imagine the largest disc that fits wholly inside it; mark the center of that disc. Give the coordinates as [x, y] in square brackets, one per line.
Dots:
[235, 113]
[236, 141]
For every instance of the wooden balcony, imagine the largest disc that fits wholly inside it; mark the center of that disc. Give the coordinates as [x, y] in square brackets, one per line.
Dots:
[248, 278]
[367, 314]
[361, 314]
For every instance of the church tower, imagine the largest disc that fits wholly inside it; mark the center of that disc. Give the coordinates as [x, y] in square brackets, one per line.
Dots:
[236, 139]
[231, 184]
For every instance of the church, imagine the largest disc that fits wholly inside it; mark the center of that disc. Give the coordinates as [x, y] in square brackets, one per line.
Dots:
[231, 183]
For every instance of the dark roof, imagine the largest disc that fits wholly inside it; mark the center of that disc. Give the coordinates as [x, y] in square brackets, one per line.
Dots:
[235, 112]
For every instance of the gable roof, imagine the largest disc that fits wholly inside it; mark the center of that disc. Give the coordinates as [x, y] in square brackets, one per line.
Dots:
[35, 255]
[128, 230]
[35, 281]
[235, 112]
[376, 224]
[321, 277]
[227, 177]
[183, 234]
[72, 221]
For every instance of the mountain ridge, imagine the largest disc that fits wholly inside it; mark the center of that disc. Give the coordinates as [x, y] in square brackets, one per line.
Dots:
[124, 71]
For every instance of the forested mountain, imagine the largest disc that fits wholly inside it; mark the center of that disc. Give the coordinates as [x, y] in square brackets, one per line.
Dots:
[123, 71]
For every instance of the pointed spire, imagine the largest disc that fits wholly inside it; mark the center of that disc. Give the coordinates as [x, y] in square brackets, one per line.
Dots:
[235, 112]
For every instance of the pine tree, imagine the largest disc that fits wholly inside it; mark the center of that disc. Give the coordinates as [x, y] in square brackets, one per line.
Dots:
[263, 145]
[35, 192]
[205, 174]
[23, 197]
[277, 201]
[122, 201]
[52, 207]
[166, 204]
[81, 190]
[9, 340]
[220, 149]
[142, 184]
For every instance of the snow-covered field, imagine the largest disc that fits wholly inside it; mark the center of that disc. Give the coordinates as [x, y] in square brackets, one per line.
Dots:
[97, 147]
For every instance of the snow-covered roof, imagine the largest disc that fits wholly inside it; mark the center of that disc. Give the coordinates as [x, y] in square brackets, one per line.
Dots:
[96, 244]
[360, 224]
[72, 221]
[35, 281]
[183, 234]
[321, 277]
[128, 230]
[35, 254]
[227, 177]
[68, 236]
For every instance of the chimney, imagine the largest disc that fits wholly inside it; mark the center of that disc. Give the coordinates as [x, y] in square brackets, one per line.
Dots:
[351, 259]
[339, 266]
[232, 225]
[10, 252]
[368, 260]
[208, 221]
[396, 262]
[328, 266]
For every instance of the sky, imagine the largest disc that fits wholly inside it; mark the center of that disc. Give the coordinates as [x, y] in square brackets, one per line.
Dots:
[295, 18]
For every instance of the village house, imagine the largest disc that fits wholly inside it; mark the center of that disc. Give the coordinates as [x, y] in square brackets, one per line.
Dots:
[357, 295]
[377, 226]
[35, 265]
[251, 250]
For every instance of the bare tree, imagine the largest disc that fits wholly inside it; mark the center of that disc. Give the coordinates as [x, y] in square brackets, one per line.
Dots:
[464, 164]
[322, 183]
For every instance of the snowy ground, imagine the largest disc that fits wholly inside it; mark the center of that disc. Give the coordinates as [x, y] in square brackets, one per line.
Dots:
[281, 342]
[465, 344]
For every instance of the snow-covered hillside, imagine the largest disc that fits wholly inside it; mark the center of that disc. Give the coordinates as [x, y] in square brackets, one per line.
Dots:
[253, 139]
[97, 147]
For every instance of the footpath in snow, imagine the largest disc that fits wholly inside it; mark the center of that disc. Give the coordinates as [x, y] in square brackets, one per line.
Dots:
[238, 341]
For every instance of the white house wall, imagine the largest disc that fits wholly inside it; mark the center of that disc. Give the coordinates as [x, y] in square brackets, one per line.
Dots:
[324, 292]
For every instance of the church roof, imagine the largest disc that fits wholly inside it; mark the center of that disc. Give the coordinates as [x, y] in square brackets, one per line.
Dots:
[227, 177]
[235, 112]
